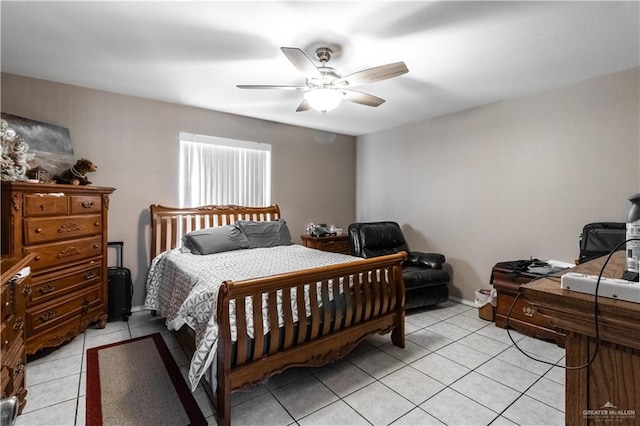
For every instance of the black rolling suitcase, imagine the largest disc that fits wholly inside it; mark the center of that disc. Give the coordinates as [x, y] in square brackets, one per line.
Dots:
[120, 288]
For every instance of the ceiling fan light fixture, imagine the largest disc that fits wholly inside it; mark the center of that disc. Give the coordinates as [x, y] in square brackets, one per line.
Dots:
[323, 99]
[325, 86]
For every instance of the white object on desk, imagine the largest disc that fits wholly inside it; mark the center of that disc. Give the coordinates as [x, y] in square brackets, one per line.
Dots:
[614, 288]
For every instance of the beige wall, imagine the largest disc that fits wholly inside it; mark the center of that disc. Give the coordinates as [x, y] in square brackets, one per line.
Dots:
[506, 181]
[135, 144]
[510, 180]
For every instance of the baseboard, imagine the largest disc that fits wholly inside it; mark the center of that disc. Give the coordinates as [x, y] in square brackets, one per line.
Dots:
[462, 301]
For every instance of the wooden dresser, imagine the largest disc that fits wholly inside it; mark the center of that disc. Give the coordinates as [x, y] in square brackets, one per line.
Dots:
[16, 279]
[65, 226]
[333, 243]
[524, 317]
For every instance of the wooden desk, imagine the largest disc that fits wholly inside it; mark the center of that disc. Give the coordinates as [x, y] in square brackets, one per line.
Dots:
[614, 376]
[524, 316]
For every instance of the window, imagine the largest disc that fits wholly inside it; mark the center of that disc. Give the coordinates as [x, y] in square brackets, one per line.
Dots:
[224, 171]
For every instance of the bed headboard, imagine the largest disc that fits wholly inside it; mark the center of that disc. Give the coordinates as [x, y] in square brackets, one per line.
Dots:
[169, 224]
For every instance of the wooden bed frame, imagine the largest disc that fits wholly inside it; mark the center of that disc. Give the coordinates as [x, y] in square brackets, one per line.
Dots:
[373, 303]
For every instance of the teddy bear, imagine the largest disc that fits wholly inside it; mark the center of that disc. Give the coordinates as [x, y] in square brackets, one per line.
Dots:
[77, 174]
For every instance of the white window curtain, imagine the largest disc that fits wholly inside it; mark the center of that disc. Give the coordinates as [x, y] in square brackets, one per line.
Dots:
[224, 171]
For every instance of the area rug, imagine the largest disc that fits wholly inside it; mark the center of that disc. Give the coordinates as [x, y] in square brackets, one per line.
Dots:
[137, 382]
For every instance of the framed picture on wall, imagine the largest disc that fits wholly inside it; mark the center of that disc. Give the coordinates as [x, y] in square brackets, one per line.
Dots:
[51, 144]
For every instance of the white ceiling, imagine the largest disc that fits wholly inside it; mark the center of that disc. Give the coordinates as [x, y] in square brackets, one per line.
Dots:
[459, 54]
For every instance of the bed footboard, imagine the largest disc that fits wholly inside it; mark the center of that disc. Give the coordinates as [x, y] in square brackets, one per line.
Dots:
[372, 301]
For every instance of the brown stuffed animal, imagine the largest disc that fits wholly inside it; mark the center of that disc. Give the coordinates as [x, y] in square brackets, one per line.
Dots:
[77, 174]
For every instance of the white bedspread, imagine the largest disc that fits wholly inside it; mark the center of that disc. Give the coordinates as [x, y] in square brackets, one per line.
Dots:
[183, 288]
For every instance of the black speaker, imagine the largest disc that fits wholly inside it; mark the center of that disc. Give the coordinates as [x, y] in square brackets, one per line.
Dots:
[120, 289]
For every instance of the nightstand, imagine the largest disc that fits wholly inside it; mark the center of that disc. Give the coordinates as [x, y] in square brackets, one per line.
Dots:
[333, 243]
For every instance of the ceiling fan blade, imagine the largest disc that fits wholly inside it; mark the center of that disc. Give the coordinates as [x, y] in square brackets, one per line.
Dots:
[304, 106]
[259, 86]
[301, 61]
[362, 98]
[372, 75]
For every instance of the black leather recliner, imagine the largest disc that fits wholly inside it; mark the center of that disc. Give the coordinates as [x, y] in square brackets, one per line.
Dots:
[424, 279]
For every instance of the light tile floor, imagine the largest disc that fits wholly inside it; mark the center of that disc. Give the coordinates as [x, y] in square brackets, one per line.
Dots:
[456, 369]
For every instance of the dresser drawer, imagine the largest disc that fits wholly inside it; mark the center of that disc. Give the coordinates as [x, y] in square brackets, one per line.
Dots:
[10, 295]
[510, 281]
[11, 332]
[335, 246]
[335, 243]
[46, 316]
[18, 373]
[522, 311]
[6, 340]
[6, 383]
[85, 204]
[14, 362]
[64, 252]
[54, 285]
[39, 230]
[45, 205]
[8, 298]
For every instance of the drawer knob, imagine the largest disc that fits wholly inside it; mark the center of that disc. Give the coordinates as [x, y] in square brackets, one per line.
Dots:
[5, 344]
[528, 311]
[38, 230]
[26, 291]
[85, 306]
[89, 275]
[7, 304]
[18, 324]
[87, 204]
[47, 288]
[97, 224]
[37, 258]
[47, 316]
[95, 246]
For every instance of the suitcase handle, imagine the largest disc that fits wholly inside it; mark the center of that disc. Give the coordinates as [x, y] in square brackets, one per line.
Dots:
[119, 247]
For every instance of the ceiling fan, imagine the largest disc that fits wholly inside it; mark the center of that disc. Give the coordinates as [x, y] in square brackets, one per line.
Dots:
[325, 86]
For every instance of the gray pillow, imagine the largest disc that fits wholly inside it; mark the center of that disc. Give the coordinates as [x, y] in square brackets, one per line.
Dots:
[215, 240]
[265, 234]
